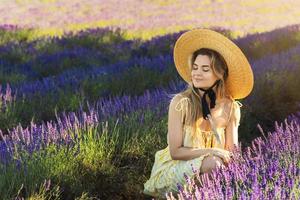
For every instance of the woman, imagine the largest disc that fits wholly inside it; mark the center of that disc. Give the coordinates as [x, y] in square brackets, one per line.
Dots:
[203, 120]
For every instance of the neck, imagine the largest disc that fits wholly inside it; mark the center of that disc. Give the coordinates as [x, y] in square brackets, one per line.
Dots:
[201, 93]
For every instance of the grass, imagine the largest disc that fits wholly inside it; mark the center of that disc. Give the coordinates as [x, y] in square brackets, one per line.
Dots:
[102, 160]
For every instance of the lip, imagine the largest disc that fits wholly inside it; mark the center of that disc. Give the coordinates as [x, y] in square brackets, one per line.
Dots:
[198, 79]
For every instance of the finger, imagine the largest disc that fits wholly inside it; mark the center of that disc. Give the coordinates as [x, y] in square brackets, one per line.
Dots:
[225, 162]
[227, 158]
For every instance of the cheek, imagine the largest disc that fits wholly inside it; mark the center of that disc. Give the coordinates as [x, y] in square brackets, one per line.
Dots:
[210, 74]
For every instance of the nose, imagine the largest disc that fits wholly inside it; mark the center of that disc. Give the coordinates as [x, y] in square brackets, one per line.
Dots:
[198, 73]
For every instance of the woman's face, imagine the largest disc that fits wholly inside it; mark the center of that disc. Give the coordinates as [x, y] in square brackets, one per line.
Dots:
[202, 73]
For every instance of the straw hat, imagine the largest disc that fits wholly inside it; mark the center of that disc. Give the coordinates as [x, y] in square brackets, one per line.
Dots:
[240, 79]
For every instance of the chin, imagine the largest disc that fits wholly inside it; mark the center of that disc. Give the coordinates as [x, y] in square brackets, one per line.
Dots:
[197, 85]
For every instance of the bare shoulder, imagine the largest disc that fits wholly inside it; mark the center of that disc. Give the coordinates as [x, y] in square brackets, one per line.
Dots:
[226, 101]
[226, 104]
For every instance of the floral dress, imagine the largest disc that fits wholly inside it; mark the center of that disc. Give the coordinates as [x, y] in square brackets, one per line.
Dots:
[166, 172]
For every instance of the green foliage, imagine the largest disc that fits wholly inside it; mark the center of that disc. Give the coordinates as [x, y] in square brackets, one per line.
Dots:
[44, 192]
[282, 42]
[143, 79]
[94, 41]
[75, 168]
[11, 78]
[39, 108]
[18, 35]
[8, 116]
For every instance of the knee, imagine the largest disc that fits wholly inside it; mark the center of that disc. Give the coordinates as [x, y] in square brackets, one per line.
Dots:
[209, 163]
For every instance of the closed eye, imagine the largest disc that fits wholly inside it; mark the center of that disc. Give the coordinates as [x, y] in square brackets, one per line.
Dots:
[204, 67]
[206, 70]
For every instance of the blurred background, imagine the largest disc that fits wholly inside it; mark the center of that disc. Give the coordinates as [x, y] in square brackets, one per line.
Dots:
[84, 86]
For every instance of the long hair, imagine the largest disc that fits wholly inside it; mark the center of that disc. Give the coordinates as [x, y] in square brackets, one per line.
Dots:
[193, 111]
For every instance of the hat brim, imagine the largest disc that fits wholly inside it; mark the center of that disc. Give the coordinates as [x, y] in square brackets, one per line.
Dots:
[240, 80]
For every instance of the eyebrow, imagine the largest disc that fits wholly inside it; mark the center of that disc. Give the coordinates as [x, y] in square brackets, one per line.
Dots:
[202, 65]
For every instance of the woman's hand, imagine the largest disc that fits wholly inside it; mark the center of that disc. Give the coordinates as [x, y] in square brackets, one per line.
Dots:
[223, 154]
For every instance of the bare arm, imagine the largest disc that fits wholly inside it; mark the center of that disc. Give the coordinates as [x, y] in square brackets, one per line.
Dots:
[175, 134]
[231, 131]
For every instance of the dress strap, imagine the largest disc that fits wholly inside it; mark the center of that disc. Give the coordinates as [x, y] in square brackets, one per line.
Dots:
[234, 103]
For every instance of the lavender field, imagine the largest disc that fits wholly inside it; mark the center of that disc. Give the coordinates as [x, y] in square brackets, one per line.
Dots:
[145, 18]
[84, 95]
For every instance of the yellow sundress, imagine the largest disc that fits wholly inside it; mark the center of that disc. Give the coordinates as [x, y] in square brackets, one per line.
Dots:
[166, 172]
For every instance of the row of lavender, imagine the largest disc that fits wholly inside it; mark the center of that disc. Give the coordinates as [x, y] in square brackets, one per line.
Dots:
[34, 137]
[44, 64]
